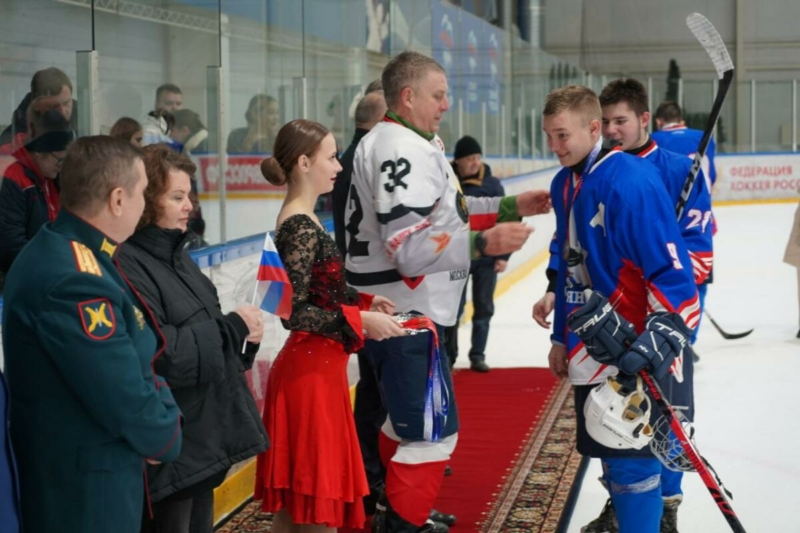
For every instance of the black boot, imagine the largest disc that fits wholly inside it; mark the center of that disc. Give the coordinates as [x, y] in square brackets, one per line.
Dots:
[444, 518]
[605, 523]
[669, 520]
[386, 520]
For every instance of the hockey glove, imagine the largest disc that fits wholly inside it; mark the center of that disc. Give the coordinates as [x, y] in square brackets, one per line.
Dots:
[605, 333]
[665, 338]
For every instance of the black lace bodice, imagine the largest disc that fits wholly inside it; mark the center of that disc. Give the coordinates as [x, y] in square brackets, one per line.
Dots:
[316, 271]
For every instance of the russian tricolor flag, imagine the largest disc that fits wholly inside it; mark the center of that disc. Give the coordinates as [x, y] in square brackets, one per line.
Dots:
[272, 283]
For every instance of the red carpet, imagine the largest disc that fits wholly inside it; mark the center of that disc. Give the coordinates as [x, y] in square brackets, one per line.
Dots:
[501, 482]
[498, 411]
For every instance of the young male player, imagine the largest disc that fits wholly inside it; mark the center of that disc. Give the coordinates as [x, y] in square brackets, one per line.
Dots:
[617, 234]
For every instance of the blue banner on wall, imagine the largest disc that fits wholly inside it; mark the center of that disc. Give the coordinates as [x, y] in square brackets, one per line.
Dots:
[445, 40]
[472, 65]
[493, 57]
[471, 52]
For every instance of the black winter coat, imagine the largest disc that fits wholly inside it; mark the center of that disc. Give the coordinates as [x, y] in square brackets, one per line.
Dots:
[341, 188]
[201, 363]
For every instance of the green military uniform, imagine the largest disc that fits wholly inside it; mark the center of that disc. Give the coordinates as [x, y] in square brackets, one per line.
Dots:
[86, 406]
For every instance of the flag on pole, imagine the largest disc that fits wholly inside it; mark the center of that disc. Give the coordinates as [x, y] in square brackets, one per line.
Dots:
[273, 287]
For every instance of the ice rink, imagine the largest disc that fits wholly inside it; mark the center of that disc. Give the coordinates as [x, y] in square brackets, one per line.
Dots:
[746, 425]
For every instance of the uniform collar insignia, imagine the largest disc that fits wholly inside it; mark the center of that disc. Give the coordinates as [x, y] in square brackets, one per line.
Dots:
[108, 248]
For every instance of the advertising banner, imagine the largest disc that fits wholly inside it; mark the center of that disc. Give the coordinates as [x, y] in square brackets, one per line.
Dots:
[757, 176]
[243, 175]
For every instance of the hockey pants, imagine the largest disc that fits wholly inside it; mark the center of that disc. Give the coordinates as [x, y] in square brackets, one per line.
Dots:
[635, 490]
[414, 472]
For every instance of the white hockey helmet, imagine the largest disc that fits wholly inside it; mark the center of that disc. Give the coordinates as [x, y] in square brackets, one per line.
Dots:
[617, 418]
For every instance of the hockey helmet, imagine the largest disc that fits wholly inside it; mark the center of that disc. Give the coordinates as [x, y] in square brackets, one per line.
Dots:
[618, 418]
[666, 446]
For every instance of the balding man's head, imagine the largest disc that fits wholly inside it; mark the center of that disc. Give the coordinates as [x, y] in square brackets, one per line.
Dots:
[370, 110]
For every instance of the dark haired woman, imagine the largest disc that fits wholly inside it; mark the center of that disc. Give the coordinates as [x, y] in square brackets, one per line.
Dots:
[313, 475]
[202, 359]
[128, 129]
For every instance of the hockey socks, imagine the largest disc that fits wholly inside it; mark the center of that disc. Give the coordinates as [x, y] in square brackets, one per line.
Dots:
[414, 473]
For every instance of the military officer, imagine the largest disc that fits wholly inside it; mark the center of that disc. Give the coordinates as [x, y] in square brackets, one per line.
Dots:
[87, 409]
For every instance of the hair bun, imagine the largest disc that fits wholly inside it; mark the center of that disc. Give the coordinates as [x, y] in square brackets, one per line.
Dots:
[272, 171]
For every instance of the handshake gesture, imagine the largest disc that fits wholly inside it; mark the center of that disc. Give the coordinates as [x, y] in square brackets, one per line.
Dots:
[610, 339]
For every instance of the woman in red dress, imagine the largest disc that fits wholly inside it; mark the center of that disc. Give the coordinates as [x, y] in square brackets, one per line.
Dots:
[312, 477]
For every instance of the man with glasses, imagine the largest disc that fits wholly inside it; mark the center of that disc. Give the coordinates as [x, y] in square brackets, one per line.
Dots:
[30, 186]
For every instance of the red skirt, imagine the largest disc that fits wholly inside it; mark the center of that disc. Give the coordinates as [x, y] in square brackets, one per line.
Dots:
[313, 467]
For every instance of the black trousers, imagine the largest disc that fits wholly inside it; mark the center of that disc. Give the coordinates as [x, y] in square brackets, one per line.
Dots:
[369, 414]
[192, 515]
[484, 281]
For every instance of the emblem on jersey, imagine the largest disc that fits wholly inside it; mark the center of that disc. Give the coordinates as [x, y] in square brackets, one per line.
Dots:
[393, 172]
[441, 240]
[85, 259]
[413, 283]
[108, 248]
[600, 218]
[139, 317]
[461, 207]
[97, 318]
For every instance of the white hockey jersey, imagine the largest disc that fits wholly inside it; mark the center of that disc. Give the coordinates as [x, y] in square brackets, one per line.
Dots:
[408, 233]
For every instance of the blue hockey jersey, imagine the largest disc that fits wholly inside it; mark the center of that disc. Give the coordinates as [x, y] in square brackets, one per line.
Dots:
[626, 244]
[697, 220]
[683, 140]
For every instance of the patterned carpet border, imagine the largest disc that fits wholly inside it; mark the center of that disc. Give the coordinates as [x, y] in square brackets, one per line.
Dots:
[539, 492]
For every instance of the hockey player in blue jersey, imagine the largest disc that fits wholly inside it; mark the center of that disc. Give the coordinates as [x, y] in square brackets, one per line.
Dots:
[673, 134]
[625, 119]
[617, 235]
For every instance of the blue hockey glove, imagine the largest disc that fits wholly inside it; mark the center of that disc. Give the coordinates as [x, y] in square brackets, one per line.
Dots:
[665, 338]
[605, 333]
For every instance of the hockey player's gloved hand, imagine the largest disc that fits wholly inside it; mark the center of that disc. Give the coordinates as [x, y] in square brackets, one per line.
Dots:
[665, 338]
[605, 333]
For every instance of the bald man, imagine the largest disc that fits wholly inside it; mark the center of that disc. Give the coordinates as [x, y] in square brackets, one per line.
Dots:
[369, 111]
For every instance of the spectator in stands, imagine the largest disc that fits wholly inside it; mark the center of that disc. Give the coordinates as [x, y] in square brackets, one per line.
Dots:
[263, 121]
[129, 130]
[476, 179]
[189, 131]
[205, 354]
[156, 125]
[86, 408]
[29, 196]
[52, 83]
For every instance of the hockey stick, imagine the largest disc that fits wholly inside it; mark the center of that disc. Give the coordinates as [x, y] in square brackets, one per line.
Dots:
[725, 334]
[699, 464]
[708, 36]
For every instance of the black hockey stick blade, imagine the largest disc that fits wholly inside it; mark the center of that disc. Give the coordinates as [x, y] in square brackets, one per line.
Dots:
[710, 481]
[711, 40]
[725, 334]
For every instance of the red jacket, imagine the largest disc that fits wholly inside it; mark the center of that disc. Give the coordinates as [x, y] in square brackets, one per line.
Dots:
[27, 201]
